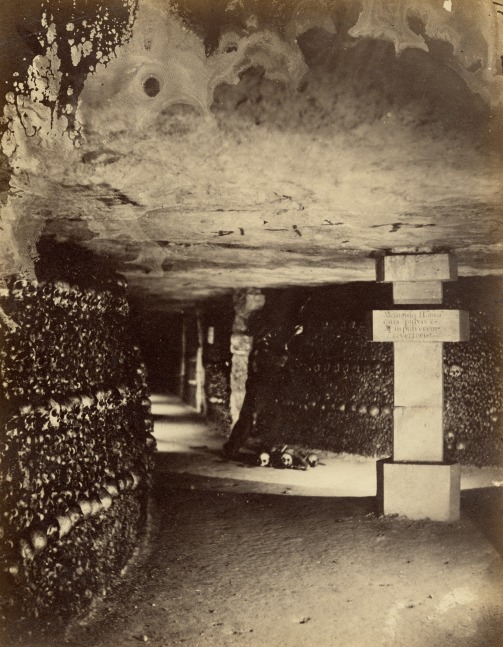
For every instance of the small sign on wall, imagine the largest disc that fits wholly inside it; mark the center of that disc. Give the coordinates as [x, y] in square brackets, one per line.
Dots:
[420, 325]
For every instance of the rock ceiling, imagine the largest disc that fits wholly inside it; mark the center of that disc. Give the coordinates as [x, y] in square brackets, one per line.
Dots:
[207, 145]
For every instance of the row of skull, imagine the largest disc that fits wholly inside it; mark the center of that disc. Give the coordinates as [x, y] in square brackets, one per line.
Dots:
[23, 288]
[70, 442]
[31, 366]
[61, 579]
[372, 410]
[77, 406]
[37, 537]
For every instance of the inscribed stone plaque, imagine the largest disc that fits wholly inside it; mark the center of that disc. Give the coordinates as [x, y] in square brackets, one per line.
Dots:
[420, 325]
[418, 374]
[421, 292]
[418, 434]
[416, 267]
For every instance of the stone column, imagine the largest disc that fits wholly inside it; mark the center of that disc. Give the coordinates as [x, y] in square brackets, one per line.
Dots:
[182, 368]
[200, 373]
[246, 302]
[416, 482]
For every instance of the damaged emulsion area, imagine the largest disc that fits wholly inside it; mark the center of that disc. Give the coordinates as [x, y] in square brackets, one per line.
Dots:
[49, 59]
[66, 45]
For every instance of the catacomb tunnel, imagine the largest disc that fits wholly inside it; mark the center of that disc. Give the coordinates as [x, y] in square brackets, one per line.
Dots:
[250, 323]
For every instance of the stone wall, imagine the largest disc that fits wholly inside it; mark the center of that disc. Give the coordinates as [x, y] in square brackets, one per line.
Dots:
[75, 442]
[246, 303]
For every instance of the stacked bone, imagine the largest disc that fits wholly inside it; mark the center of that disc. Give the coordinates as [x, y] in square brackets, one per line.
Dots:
[75, 443]
[69, 339]
[473, 391]
[336, 391]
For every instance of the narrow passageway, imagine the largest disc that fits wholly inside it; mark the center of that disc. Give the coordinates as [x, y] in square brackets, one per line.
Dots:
[186, 444]
[237, 560]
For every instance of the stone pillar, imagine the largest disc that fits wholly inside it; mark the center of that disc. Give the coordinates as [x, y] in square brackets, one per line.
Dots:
[182, 367]
[416, 482]
[246, 302]
[200, 373]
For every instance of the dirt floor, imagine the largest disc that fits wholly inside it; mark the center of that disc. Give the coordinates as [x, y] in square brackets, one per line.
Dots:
[258, 557]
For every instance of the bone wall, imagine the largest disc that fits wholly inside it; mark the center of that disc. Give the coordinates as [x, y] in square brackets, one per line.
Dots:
[75, 447]
[335, 390]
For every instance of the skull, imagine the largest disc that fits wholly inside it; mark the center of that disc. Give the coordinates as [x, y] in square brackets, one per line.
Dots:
[287, 459]
[65, 411]
[52, 530]
[54, 413]
[47, 290]
[18, 289]
[123, 307]
[60, 292]
[136, 480]
[87, 404]
[101, 403]
[111, 487]
[264, 459]
[121, 281]
[62, 287]
[30, 421]
[65, 299]
[74, 513]
[105, 498]
[85, 506]
[74, 293]
[128, 481]
[455, 370]
[87, 296]
[64, 523]
[76, 406]
[312, 460]
[96, 505]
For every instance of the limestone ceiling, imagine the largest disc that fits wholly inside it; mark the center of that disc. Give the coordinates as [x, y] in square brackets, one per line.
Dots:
[209, 145]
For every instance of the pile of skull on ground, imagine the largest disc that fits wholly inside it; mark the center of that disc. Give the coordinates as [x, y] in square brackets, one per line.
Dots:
[75, 443]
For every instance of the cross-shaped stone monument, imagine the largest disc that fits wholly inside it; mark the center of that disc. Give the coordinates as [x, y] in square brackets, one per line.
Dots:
[416, 482]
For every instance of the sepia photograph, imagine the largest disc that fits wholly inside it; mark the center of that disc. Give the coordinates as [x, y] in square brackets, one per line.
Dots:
[251, 312]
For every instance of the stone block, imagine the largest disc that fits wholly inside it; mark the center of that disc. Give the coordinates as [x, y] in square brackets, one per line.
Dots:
[418, 434]
[241, 344]
[421, 292]
[416, 267]
[420, 325]
[418, 374]
[419, 490]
